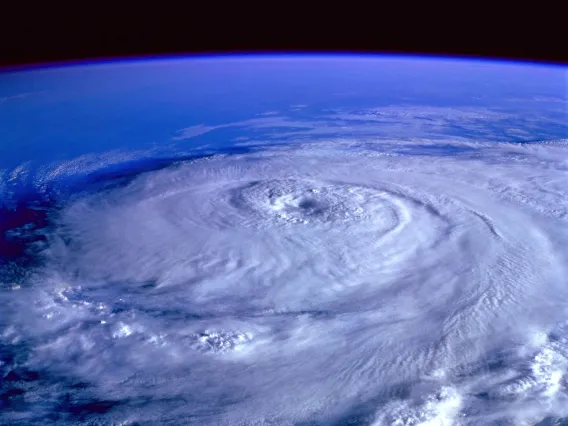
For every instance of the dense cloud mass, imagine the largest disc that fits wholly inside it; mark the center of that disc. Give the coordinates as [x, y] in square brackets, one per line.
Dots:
[308, 284]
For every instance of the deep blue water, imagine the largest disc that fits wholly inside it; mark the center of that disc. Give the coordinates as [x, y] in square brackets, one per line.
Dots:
[61, 113]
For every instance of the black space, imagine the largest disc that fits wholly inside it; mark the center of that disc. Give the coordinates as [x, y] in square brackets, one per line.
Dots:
[51, 34]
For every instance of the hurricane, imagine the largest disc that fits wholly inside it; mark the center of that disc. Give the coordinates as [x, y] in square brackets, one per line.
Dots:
[312, 283]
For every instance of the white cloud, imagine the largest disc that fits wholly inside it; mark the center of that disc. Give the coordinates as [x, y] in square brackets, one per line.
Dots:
[303, 282]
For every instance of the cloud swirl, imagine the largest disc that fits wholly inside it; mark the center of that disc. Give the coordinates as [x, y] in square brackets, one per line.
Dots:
[314, 283]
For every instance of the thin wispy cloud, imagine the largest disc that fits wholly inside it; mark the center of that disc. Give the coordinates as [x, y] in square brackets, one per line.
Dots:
[14, 97]
[400, 121]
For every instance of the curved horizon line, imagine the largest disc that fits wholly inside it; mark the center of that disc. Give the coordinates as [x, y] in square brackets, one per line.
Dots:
[158, 57]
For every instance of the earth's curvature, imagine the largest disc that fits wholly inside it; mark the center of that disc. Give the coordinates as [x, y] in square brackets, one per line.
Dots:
[284, 240]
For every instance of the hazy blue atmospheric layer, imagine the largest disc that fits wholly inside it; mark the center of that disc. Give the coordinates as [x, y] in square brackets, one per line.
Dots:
[284, 241]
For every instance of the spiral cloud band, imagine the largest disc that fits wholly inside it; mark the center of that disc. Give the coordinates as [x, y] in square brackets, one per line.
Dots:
[315, 284]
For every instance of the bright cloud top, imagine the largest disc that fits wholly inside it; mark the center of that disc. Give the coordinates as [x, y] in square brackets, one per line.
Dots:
[318, 283]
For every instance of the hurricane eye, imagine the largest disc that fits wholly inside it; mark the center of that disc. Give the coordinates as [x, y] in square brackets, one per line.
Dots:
[308, 204]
